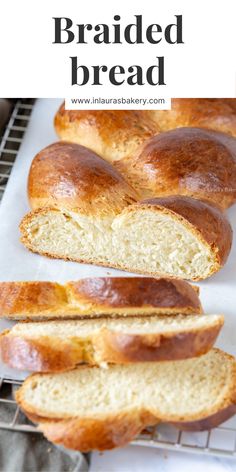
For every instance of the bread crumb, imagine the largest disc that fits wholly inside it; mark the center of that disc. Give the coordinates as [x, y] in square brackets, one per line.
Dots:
[104, 365]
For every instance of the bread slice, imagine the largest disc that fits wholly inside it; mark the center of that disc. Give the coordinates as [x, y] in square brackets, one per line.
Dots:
[93, 408]
[60, 345]
[175, 236]
[96, 296]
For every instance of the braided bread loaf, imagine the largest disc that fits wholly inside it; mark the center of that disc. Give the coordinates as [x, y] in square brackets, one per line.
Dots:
[85, 211]
[117, 134]
[200, 163]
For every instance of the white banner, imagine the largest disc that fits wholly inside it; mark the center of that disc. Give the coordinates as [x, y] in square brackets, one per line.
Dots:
[144, 52]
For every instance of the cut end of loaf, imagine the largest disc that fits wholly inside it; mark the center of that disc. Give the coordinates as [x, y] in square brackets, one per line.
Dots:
[147, 239]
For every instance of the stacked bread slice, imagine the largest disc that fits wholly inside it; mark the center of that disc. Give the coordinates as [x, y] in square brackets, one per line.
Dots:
[115, 355]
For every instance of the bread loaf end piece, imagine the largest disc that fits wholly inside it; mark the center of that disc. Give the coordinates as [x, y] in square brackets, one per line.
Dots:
[173, 236]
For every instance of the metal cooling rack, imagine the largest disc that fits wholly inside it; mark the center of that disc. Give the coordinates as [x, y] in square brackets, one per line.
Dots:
[220, 441]
[11, 138]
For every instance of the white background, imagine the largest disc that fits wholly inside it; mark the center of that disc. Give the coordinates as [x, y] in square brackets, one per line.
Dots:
[31, 66]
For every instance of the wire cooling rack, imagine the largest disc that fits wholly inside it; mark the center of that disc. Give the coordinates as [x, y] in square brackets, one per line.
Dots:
[11, 138]
[220, 441]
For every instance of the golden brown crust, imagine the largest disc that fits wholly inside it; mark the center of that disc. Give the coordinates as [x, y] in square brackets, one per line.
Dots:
[208, 423]
[185, 161]
[197, 160]
[31, 298]
[96, 296]
[113, 134]
[213, 113]
[54, 354]
[91, 435]
[73, 177]
[87, 434]
[44, 354]
[136, 292]
[121, 348]
[207, 221]
[116, 134]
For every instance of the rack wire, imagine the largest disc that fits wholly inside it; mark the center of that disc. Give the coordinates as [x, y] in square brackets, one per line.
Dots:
[11, 138]
[220, 441]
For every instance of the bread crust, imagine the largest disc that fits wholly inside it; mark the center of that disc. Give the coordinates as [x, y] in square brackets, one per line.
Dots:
[197, 160]
[133, 292]
[23, 299]
[113, 134]
[54, 354]
[98, 296]
[94, 434]
[123, 348]
[208, 423]
[87, 434]
[73, 177]
[116, 134]
[185, 161]
[211, 113]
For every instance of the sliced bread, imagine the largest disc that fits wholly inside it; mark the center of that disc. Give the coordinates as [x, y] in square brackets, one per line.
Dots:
[96, 296]
[60, 345]
[171, 237]
[93, 408]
